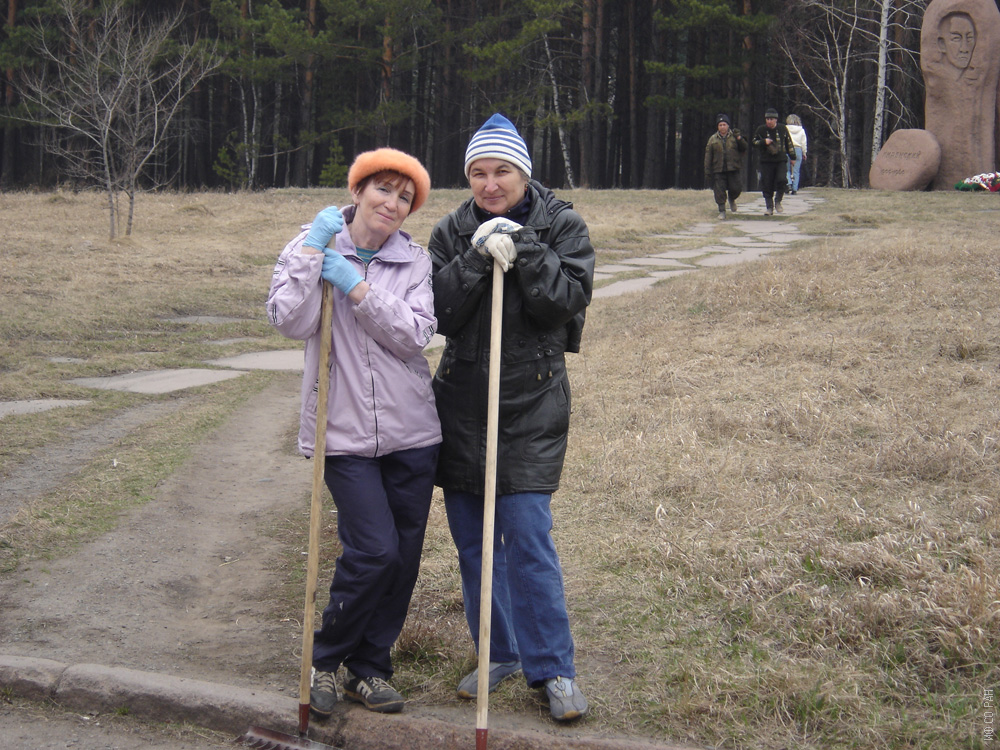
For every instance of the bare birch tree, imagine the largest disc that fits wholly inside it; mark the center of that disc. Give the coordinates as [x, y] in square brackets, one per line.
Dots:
[880, 75]
[826, 40]
[821, 44]
[563, 141]
[109, 83]
[905, 15]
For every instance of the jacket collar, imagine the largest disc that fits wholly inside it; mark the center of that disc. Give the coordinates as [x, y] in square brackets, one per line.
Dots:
[396, 249]
[544, 205]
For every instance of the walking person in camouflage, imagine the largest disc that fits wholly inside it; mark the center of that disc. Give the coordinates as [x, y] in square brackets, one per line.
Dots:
[724, 156]
[774, 150]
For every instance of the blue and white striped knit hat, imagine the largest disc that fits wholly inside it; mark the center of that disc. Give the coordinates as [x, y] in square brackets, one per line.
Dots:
[498, 139]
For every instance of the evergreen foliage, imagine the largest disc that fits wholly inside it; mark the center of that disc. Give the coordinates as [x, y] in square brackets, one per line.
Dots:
[617, 94]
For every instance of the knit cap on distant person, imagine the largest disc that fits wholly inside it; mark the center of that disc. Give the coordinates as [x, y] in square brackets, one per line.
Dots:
[771, 112]
[498, 139]
[722, 118]
[389, 159]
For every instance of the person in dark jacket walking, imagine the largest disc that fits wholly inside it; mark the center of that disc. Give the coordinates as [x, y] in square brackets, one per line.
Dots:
[774, 150]
[543, 247]
[724, 163]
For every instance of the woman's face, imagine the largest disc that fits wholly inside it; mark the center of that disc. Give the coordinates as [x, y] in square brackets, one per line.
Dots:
[497, 185]
[383, 203]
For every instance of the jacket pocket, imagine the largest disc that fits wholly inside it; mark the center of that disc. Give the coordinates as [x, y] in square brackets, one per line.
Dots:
[542, 421]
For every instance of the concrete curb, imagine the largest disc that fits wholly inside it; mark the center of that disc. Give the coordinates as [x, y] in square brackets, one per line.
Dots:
[149, 696]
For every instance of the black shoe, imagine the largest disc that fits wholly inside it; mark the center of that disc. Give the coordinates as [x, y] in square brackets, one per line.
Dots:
[323, 693]
[375, 693]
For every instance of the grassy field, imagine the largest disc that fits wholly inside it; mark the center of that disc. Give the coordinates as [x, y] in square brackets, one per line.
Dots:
[779, 512]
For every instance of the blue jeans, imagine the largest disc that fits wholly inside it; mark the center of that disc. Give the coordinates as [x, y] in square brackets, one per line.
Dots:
[528, 617]
[794, 168]
[382, 506]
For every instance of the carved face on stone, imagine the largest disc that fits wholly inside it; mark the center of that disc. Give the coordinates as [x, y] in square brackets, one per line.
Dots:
[957, 39]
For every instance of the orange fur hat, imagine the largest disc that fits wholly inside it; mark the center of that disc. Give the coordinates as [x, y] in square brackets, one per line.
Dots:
[372, 162]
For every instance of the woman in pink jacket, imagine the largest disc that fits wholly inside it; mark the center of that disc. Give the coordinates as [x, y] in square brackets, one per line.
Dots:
[382, 433]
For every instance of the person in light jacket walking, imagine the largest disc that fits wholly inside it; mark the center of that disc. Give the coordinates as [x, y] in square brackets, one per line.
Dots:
[801, 144]
[382, 431]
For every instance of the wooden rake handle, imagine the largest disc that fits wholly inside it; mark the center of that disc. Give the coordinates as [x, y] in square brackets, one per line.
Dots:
[489, 509]
[316, 506]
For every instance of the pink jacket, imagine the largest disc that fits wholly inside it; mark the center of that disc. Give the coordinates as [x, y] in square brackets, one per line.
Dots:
[380, 383]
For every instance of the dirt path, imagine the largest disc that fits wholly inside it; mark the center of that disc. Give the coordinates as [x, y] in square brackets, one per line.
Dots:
[28, 726]
[176, 588]
[180, 587]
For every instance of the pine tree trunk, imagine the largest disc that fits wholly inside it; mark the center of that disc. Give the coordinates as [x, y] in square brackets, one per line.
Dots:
[586, 91]
[304, 154]
[8, 173]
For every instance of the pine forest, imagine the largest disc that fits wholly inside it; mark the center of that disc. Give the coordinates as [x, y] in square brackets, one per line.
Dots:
[252, 94]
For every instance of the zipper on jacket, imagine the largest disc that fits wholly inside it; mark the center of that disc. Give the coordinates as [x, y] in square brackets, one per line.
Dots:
[368, 357]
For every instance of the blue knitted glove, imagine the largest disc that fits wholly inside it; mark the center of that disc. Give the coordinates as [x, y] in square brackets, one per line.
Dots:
[327, 223]
[338, 271]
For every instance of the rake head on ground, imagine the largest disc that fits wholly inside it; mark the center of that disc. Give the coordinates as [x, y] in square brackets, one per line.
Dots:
[268, 739]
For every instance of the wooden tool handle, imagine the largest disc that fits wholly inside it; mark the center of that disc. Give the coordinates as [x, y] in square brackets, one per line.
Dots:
[489, 509]
[316, 506]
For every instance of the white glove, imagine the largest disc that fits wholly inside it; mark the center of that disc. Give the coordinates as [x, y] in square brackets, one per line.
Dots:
[496, 224]
[502, 248]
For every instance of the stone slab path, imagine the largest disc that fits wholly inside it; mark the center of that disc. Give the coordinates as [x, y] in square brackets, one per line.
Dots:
[746, 236]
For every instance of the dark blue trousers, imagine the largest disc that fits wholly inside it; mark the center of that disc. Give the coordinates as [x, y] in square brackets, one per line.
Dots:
[382, 506]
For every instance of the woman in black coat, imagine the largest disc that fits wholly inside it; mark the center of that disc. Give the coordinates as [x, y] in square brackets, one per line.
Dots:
[544, 249]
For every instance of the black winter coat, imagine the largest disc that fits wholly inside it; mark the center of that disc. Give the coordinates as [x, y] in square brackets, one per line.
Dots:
[781, 147]
[546, 293]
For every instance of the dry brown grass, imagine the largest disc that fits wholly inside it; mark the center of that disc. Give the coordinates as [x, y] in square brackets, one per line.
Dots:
[789, 473]
[778, 518]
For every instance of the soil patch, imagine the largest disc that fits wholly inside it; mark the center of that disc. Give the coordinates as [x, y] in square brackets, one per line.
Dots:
[178, 586]
[184, 584]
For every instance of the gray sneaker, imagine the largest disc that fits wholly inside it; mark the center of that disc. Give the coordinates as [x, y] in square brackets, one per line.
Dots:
[732, 205]
[499, 671]
[566, 702]
[778, 208]
[374, 692]
[323, 693]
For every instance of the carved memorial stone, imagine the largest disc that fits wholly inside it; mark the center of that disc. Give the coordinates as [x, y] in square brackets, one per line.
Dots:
[961, 68]
[909, 160]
